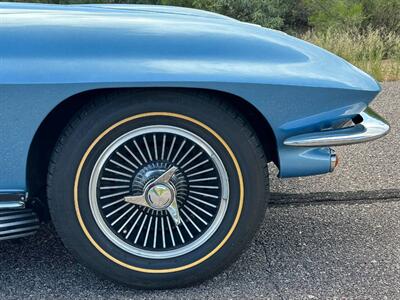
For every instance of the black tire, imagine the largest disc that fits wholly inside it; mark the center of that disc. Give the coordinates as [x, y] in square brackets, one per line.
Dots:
[107, 118]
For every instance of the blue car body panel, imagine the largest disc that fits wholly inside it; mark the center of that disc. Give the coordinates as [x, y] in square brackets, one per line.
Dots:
[50, 52]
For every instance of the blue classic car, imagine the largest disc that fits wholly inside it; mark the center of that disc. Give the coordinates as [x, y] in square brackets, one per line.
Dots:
[144, 132]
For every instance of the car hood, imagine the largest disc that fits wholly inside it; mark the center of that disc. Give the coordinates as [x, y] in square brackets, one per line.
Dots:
[125, 9]
[161, 43]
[160, 9]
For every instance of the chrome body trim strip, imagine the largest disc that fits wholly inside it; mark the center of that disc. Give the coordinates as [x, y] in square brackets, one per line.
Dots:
[20, 235]
[18, 223]
[12, 200]
[371, 128]
[12, 205]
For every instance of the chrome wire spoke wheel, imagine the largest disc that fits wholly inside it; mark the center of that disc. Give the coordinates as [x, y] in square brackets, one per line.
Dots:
[159, 192]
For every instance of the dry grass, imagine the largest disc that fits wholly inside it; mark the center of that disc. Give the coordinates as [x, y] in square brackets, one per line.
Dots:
[373, 51]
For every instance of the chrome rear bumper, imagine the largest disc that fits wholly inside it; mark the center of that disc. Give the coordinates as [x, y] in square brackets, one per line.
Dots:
[371, 127]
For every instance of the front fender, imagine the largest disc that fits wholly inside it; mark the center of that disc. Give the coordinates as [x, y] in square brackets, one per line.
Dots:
[49, 53]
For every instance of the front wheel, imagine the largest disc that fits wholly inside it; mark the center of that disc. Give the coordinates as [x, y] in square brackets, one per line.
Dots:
[157, 190]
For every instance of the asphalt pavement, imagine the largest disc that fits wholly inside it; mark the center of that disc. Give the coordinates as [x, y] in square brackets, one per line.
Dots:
[334, 236]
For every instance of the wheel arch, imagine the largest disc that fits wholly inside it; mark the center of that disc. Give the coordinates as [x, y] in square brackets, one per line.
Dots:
[51, 127]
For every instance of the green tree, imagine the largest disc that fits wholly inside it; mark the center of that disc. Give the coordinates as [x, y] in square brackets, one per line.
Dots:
[337, 14]
[382, 15]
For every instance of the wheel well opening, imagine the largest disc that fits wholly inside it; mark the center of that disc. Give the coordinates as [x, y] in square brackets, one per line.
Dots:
[44, 141]
[51, 128]
[258, 122]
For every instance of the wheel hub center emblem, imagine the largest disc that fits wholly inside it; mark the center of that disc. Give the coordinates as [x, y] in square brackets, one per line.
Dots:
[159, 196]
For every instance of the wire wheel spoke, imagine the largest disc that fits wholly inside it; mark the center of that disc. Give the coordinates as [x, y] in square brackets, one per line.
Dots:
[132, 163]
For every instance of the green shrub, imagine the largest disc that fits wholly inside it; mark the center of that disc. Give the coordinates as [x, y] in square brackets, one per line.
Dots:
[361, 14]
[338, 14]
[268, 13]
[383, 14]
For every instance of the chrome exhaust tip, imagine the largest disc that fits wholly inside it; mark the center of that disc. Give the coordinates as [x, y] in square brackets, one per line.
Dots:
[334, 160]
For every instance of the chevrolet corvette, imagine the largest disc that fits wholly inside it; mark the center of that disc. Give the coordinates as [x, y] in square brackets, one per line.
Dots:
[144, 133]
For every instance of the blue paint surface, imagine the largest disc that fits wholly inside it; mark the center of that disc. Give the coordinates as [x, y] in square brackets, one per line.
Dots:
[50, 52]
